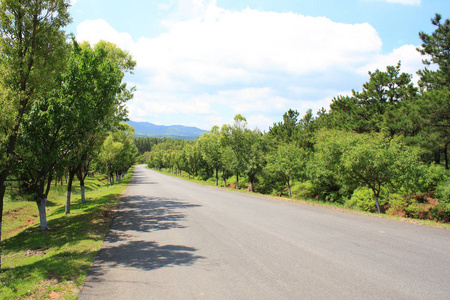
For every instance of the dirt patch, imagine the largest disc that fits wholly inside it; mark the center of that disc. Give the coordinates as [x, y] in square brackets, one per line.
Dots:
[40, 252]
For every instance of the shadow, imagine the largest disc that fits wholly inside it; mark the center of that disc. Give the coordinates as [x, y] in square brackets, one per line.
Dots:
[141, 255]
[145, 214]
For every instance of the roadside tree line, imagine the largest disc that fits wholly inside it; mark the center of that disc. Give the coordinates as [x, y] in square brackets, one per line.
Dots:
[384, 148]
[61, 102]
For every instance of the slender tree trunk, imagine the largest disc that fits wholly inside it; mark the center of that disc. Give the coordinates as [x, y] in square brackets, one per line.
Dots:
[446, 156]
[69, 190]
[237, 181]
[41, 204]
[289, 188]
[217, 176]
[81, 177]
[251, 186]
[2, 194]
[376, 201]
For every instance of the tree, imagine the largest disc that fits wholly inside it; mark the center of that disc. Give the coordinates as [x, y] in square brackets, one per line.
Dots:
[289, 162]
[88, 98]
[233, 136]
[437, 46]
[32, 45]
[286, 130]
[255, 155]
[374, 161]
[109, 154]
[366, 111]
[211, 150]
[433, 108]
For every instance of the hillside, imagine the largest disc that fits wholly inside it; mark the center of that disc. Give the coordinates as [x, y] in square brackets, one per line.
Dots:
[144, 129]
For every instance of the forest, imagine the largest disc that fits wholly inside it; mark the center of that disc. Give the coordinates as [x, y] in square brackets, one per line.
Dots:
[383, 149]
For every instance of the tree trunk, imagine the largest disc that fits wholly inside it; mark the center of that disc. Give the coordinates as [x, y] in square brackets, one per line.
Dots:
[217, 176]
[251, 186]
[446, 156]
[41, 204]
[376, 201]
[2, 194]
[69, 190]
[237, 181]
[289, 188]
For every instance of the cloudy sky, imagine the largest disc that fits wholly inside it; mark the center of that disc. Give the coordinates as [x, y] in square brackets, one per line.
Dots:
[200, 62]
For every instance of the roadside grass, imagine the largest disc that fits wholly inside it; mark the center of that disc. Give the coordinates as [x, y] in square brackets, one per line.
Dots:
[53, 264]
[313, 202]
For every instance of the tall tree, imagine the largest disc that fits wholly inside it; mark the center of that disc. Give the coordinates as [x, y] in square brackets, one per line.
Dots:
[366, 111]
[233, 136]
[211, 150]
[32, 52]
[433, 109]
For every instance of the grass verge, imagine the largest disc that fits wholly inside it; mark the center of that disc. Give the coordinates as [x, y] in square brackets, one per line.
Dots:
[53, 264]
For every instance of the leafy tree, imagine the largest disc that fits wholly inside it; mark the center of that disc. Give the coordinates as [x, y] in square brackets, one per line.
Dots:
[365, 111]
[233, 136]
[285, 131]
[109, 154]
[289, 162]
[193, 157]
[374, 161]
[255, 155]
[32, 52]
[87, 99]
[437, 46]
[211, 150]
[433, 108]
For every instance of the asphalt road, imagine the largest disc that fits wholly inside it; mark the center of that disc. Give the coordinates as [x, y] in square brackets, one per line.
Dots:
[173, 239]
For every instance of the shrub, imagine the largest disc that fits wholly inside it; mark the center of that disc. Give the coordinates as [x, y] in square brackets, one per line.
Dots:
[441, 212]
[303, 190]
[397, 205]
[362, 199]
[413, 211]
[443, 191]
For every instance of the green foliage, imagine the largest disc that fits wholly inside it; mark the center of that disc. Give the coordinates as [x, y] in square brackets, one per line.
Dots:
[441, 212]
[443, 190]
[303, 190]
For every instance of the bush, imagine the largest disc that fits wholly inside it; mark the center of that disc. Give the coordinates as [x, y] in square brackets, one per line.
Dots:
[397, 205]
[413, 211]
[441, 212]
[303, 190]
[443, 191]
[362, 199]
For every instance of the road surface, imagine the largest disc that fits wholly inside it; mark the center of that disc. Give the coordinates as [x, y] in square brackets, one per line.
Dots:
[173, 239]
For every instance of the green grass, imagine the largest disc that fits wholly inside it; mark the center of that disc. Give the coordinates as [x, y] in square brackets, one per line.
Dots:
[54, 263]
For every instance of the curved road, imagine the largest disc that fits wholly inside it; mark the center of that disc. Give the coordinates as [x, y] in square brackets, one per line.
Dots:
[173, 239]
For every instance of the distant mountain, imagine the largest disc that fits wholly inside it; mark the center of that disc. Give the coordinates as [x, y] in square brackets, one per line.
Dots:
[144, 129]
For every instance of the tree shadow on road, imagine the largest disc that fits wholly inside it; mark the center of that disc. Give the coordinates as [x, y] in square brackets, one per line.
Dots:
[146, 214]
[141, 255]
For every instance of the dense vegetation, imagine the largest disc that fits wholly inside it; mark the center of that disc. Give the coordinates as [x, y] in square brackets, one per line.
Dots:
[382, 149]
[62, 105]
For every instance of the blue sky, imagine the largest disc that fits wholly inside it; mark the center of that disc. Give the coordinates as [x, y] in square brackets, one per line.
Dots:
[200, 62]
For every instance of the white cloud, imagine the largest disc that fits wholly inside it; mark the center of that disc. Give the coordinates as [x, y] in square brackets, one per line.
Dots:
[93, 31]
[411, 61]
[72, 2]
[213, 63]
[227, 46]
